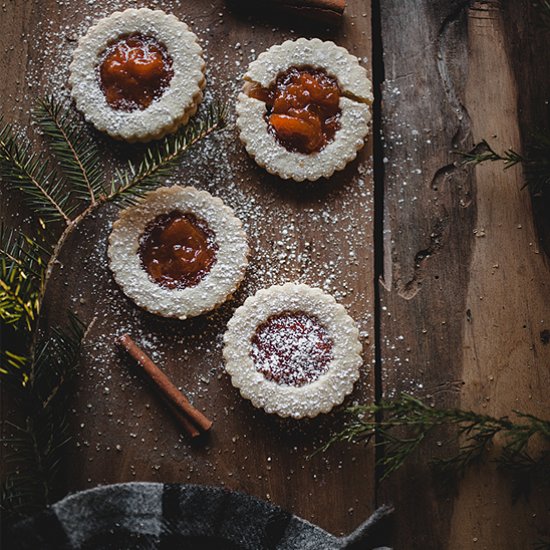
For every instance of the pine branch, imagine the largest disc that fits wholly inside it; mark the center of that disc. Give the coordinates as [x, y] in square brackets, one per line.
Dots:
[14, 366]
[536, 163]
[543, 7]
[28, 172]
[53, 360]
[80, 162]
[37, 446]
[41, 375]
[160, 157]
[74, 147]
[407, 421]
[21, 251]
[483, 152]
[22, 265]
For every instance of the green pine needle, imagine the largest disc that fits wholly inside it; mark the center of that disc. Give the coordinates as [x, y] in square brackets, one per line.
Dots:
[22, 266]
[483, 152]
[543, 7]
[24, 252]
[17, 301]
[79, 159]
[536, 163]
[14, 366]
[400, 426]
[161, 157]
[40, 373]
[29, 173]
[36, 447]
[75, 149]
[23, 261]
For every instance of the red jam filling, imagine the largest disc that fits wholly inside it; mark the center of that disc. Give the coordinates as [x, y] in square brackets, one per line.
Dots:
[177, 250]
[291, 348]
[134, 71]
[302, 108]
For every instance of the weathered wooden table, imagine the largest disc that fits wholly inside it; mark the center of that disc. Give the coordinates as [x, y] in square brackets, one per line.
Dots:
[441, 266]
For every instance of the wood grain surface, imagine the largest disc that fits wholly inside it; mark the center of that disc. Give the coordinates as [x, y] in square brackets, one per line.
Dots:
[462, 296]
[321, 234]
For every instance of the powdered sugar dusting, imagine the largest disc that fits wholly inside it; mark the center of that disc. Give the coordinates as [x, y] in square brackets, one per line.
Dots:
[291, 348]
[224, 276]
[317, 234]
[262, 145]
[178, 102]
[340, 340]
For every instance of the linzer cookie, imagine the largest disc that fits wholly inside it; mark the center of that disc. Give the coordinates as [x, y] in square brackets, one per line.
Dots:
[304, 111]
[138, 74]
[292, 350]
[178, 253]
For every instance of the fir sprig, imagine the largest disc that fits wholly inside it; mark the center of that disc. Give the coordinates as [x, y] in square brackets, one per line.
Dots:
[536, 162]
[14, 366]
[29, 173]
[68, 194]
[56, 198]
[160, 158]
[36, 445]
[76, 150]
[52, 197]
[401, 425]
[22, 267]
[483, 152]
[543, 7]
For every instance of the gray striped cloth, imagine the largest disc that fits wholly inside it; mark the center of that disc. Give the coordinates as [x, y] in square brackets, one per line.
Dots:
[155, 516]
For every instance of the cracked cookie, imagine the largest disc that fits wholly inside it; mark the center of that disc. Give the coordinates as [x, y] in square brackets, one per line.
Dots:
[304, 111]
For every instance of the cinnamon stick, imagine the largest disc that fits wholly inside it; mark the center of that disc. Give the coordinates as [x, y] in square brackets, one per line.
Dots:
[189, 416]
[186, 424]
[324, 10]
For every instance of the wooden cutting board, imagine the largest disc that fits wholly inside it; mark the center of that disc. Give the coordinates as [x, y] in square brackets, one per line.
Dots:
[460, 311]
[320, 234]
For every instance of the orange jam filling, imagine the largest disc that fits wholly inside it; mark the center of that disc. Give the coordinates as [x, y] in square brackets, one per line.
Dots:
[291, 348]
[302, 109]
[177, 250]
[134, 71]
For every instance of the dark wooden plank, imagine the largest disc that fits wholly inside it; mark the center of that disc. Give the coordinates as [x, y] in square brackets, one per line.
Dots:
[320, 234]
[464, 291]
[530, 58]
[428, 207]
[505, 363]
[15, 52]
